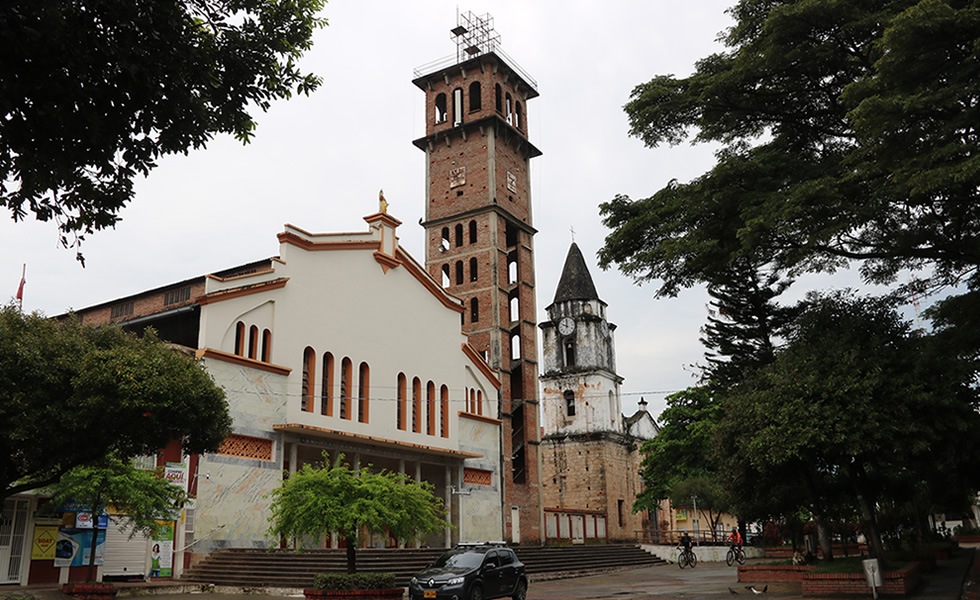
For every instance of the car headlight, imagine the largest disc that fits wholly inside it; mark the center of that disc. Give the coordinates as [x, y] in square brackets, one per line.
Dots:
[455, 581]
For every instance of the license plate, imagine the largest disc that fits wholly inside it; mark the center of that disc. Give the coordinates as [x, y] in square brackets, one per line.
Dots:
[429, 594]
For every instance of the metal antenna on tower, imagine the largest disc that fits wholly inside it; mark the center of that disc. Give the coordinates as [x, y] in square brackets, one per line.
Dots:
[474, 35]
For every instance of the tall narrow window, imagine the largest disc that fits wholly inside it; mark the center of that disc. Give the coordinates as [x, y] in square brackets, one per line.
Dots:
[446, 279]
[473, 273]
[363, 392]
[473, 232]
[444, 243]
[479, 402]
[459, 234]
[416, 405]
[475, 100]
[346, 374]
[457, 106]
[515, 303]
[266, 345]
[430, 408]
[326, 386]
[459, 272]
[440, 115]
[509, 110]
[253, 342]
[512, 269]
[569, 348]
[498, 98]
[240, 338]
[474, 310]
[402, 399]
[515, 346]
[471, 401]
[309, 371]
[518, 116]
[444, 411]
[569, 403]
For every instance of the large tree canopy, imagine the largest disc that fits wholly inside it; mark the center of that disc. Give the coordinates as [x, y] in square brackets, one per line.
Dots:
[848, 131]
[93, 92]
[71, 394]
[855, 409]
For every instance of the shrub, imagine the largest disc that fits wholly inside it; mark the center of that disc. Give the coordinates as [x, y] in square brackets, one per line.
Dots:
[353, 581]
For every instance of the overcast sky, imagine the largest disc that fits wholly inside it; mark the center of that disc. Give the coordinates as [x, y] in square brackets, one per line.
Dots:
[319, 162]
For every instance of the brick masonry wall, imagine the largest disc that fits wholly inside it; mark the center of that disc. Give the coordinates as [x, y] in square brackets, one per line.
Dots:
[894, 583]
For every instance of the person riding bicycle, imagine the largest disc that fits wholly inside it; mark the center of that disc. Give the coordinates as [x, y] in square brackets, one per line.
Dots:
[735, 538]
[686, 541]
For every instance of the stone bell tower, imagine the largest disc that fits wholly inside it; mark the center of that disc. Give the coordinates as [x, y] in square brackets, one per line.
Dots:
[480, 235]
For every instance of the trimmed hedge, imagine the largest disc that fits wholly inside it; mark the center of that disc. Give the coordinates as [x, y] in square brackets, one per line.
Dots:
[353, 581]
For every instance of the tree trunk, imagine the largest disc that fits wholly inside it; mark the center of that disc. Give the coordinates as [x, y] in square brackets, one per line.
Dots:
[823, 536]
[351, 543]
[866, 505]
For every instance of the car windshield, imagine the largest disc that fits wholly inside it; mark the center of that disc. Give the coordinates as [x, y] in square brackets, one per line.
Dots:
[459, 559]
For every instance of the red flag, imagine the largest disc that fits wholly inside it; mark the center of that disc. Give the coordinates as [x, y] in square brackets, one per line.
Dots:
[20, 288]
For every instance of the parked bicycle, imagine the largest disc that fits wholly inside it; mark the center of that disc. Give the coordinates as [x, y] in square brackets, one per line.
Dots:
[735, 554]
[686, 557]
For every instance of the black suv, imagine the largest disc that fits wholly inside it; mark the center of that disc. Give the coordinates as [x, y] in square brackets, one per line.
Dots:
[472, 572]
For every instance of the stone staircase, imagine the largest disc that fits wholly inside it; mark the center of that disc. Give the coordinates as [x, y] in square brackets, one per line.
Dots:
[288, 569]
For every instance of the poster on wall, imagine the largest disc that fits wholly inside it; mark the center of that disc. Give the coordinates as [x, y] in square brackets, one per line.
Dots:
[162, 552]
[176, 474]
[45, 540]
[74, 546]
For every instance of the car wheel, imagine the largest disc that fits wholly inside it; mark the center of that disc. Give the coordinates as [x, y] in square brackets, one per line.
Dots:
[521, 592]
[476, 593]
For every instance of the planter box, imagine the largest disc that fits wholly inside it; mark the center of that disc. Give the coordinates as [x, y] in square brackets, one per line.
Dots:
[312, 594]
[767, 573]
[894, 583]
[90, 591]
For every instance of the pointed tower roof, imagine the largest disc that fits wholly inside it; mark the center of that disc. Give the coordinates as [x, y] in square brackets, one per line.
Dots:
[576, 282]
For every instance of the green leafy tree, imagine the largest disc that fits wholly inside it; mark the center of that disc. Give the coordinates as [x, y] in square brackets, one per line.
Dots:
[855, 408]
[318, 500]
[708, 493]
[140, 498]
[71, 394]
[683, 449]
[93, 92]
[847, 132]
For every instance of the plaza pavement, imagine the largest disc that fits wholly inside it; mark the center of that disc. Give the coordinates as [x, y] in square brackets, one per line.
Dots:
[663, 582]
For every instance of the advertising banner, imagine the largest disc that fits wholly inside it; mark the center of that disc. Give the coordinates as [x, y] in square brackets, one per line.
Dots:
[74, 546]
[162, 553]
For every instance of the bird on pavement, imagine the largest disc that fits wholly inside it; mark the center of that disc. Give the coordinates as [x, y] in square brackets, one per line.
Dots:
[733, 592]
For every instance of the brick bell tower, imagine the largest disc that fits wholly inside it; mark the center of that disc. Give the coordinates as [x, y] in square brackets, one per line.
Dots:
[479, 236]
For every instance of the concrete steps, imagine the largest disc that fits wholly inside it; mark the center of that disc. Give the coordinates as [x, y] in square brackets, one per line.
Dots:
[289, 569]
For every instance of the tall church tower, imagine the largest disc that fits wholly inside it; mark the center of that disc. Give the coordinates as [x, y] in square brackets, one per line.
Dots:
[479, 236]
[591, 463]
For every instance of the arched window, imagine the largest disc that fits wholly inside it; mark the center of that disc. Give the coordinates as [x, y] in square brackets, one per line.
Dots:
[266, 345]
[430, 408]
[512, 269]
[444, 412]
[309, 371]
[240, 338]
[459, 234]
[253, 342]
[440, 115]
[479, 402]
[473, 274]
[326, 386]
[515, 304]
[473, 231]
[474, 310]
[509, 108]
[515, 346]
[402, 396]
[498, 98]
[457, 106]
[444, 244]
[363, 392]
[569, 403]
[475, 100]
[569, 348]
[446, 279]
[346, 374]
[416, 405]
[459, 272]
[518, 116]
